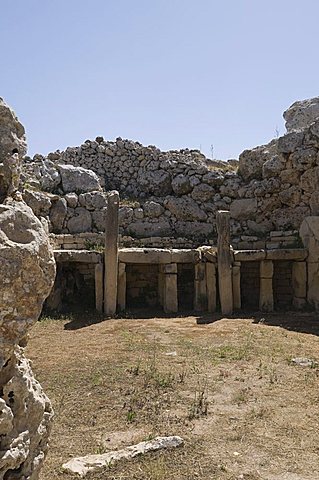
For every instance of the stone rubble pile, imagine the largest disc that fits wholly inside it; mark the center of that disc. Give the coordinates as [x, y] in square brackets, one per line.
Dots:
[27, 275]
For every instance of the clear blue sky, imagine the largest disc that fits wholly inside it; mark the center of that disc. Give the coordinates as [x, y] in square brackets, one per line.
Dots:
[171, 73]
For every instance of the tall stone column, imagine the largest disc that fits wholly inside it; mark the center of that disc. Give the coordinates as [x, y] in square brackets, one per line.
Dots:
[309, 233]
[224, 258]
[266, 296]
[99, 287]
[236, 286]
[111, 253]
[121, 287]
[170, 298]
[200, 303]
[211, 286]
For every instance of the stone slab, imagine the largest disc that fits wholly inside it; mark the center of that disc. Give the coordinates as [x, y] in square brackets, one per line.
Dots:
[249, 255]
[79, 256]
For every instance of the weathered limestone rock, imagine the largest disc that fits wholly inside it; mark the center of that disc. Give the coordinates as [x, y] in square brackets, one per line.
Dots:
[309, 233]
[243, 209]
[185, 209]
[301, 114]
[78, 179]
[12, 133]
[27, 274]
[58, 213]
[111, 254]
[224, 263]
[94, 463]
[181, 185]
[153, 209]
[81, 221]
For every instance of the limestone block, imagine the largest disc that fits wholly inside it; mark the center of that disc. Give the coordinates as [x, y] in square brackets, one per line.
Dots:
[170, 268]
[80, 222]
[95, 463]
[181, 184]
[78, 256]
[99, 288]
[301, 114]
[185, 256]
[211, 286]
[111, 253]
[299, 279]
[243, 208]
[142, 255]
[266, 269]
[313, 284]
[185, 208]
[170, 300]
[78, 179]
[309, 233]
[290, 142]
[249, 255]
[236, 286]
[200, 301]
[266, 298]
[224, 263]
[297, 254]
[121, 288]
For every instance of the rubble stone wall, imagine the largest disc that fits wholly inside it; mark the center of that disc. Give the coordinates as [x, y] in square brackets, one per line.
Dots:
[176, 194]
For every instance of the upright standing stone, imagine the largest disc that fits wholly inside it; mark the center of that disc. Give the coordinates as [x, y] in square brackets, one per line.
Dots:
[111, 253]
[224, 263]
[236, 286]
[211, 286]
[200, 303]
[121, 287]
[170, 300]
[99, 287]
[266, 295]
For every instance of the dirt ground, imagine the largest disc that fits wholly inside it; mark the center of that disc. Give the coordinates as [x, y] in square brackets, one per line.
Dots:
[229, 387]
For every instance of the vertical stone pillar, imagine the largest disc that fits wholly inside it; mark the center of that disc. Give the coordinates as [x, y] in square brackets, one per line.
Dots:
[121, 287]
[266, 296]
[170, 299]
[309, 233]
[211, 286]
[236, 286]
[200, 301]
[224, 262]
[161, 284]
[99, 287]
[111, 253]
[299, 284]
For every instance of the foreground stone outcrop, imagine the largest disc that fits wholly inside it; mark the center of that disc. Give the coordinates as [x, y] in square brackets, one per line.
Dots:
[93, 463]
[27, 274]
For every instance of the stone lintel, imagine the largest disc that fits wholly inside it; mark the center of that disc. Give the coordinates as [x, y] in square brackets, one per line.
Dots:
[79, 256]
[287, 254]
[144, 255]
[249, 255]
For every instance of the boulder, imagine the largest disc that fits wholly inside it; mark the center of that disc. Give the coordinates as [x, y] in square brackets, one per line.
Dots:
[155, 182]
[12, 133]
[78, 179]
[148, 229]
[28, 271]
[80, 222]
[58, 214]
[203, 192]
[185, 208]
[40, 202]
[301, 114]
[251, 161]
[153, 209]
[243, 209]
[93, 200]
[181, 185]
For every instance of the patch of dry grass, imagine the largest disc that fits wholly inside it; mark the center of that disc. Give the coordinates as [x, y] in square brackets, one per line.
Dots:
[228, 388]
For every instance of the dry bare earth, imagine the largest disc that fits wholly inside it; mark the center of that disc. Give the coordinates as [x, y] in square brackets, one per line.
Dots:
[228, 388]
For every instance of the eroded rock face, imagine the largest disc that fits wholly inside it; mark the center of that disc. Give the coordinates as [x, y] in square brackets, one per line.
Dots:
[27, 274]
[301, 114]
